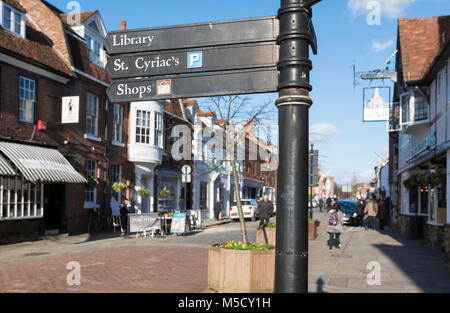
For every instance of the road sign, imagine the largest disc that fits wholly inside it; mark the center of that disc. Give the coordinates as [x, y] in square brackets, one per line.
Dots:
[192, 35]
[186, 178]
[194, 85]
[186, 169]
[231, 57]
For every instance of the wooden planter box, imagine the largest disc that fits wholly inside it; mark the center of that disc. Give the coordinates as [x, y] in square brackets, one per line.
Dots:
[238, 271]
[312, 230]
[271, 236]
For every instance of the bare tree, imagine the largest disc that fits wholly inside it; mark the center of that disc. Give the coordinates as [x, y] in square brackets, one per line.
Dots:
[236, 110]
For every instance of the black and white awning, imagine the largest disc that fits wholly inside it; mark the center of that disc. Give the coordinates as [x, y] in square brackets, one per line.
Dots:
[39, 164]
[5, 168]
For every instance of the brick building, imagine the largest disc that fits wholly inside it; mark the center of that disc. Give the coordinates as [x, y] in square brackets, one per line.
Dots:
[43, 60]
[419, 166]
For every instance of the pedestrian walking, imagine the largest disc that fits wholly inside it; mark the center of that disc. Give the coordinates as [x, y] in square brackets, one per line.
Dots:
[361, 207]
[265, 209]
[181, 205]
[218, 206]
[335, 226]
[382, 214]
[371, 211]
[329, 203]
[125, 208]
[321, 205]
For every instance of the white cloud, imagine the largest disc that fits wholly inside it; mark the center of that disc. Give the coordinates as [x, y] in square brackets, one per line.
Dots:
[345, 176]
[322, 131]
[389, 8]
[381, 46]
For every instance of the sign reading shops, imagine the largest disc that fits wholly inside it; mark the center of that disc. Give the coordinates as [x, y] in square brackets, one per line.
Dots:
[194, 85]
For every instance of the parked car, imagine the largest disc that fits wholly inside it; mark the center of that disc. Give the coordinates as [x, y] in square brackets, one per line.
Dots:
[350, 211]
[249, 208]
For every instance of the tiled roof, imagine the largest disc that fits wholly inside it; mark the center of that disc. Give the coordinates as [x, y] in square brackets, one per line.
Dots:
[420, 40]
[16, 5]
[84, 16]
[206, 114]
[189, 103]
[33, 49]
[81, 60]
[221, 121]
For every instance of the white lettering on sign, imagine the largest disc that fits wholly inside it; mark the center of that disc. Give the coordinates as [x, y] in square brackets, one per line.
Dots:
[124, 90]
[156, 62]
[126, 40]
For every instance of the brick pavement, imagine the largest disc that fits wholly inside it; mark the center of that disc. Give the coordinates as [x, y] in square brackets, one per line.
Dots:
[138, 269]
[110, 263]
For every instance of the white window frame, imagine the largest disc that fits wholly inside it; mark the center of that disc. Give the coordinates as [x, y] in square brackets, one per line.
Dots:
[158, 126]
[401, 109]
[92, 42]
[118, 176]
[143, 127]
[91, 204]
[89, 135]
[27, 100]
[13, 15]
[118, 125]
[15, 189]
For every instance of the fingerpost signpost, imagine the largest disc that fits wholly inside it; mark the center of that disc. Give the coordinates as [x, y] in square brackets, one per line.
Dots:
[258, 55]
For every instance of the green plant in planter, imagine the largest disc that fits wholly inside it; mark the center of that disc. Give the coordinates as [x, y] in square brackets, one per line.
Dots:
[119, 187]
[411, 182]
[91, 183]
[233, 245]
[271, 225]
[437, 178]
[424, 179]
[143, 192]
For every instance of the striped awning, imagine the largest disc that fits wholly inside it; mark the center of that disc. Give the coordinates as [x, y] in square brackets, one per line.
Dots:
[38, 164]
[5, 168]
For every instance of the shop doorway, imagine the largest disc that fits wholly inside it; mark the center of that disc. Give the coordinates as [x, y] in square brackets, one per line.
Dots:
[54, 209]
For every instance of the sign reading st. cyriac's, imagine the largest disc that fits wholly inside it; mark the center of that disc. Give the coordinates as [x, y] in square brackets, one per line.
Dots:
[209, 59]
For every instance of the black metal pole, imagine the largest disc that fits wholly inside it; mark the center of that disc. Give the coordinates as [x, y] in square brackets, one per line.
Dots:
[311, 180]
[296, 35]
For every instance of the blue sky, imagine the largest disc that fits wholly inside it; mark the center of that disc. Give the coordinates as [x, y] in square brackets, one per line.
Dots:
[346, 144]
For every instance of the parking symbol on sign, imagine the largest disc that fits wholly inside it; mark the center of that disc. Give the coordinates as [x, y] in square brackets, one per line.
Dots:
[195, 59]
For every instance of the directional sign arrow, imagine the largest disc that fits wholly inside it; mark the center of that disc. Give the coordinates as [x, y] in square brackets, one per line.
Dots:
[246, 56]
[192, 35]
[194, 85]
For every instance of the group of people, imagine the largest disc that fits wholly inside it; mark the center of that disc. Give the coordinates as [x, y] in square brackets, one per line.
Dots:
[374, 209]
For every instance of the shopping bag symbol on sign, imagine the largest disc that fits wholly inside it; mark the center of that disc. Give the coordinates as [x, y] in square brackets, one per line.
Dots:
[164, 87]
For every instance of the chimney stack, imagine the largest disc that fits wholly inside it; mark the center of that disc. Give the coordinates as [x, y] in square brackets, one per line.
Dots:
[124, 24]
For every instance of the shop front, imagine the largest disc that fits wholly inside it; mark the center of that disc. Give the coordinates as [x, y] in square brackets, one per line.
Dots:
[33, 181]
[168, 189]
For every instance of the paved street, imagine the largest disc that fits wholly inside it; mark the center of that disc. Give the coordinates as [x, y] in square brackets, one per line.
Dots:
[179, 263]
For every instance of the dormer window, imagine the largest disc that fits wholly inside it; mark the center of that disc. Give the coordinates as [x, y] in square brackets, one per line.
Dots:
[13, 20]
[95, 48]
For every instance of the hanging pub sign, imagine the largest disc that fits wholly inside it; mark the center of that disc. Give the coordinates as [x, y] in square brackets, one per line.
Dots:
[70, 110]
[376, 104]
